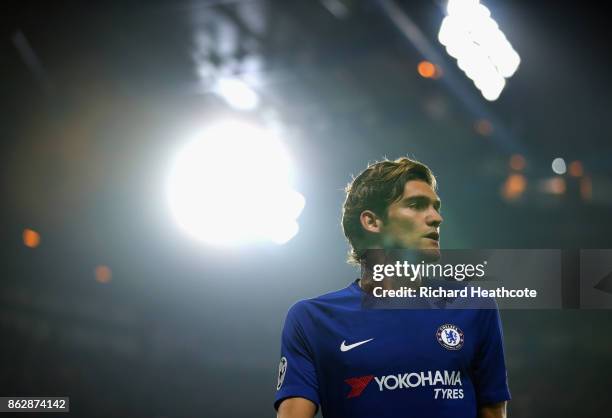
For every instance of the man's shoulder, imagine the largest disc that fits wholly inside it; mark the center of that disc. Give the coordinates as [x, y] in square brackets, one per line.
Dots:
[343, 298]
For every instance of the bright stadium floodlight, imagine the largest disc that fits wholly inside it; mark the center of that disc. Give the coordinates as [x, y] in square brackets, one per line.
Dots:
[232, 186]
[482, 51]
[236, 93]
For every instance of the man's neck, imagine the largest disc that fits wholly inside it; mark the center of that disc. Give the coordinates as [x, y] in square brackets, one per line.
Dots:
[399, 276]
[367, 283]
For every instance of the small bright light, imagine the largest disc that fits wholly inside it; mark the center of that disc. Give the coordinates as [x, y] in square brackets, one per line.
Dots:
[103, 274]
[555, 185]
[514, 186]
[575, 169]
[586, 188]
[237, 93]
[232, 185]
[427, 70]
[31, 238]
[517, 162]
[483, 127]
[558, 166]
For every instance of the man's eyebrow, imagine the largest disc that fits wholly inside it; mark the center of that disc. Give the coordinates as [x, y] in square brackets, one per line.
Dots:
[436, 202]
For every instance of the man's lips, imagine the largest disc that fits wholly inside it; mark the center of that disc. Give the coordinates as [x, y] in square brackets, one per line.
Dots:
[433, 235]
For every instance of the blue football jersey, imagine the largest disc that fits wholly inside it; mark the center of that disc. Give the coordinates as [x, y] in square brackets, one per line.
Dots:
[355, 362]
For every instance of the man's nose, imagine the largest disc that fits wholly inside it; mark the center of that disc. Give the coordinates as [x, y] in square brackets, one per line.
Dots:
[434, 218]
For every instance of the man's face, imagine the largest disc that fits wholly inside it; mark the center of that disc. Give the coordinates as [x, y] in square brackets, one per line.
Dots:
[413, 221]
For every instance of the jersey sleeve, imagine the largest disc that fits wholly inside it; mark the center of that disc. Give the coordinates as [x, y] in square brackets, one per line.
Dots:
[297, 374]
[489, 368]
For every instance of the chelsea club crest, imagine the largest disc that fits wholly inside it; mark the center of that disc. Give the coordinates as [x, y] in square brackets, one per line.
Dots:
[450, 336]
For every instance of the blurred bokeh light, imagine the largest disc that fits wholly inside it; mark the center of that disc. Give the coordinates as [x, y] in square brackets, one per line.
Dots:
[517, 162]
[103, 274]
[31, 238]
[514, 186]
[558, 166]
[575, 169]
[428, 70]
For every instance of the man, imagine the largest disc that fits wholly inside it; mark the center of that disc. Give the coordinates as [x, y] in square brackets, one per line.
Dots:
[356, 362]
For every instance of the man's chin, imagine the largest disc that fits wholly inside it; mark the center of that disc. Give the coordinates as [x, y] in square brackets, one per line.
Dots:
[429, 255]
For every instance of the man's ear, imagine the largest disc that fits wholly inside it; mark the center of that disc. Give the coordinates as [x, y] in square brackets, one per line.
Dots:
[370, 222]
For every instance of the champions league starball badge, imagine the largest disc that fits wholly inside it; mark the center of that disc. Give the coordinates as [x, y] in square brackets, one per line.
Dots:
[282, 370]
[450, 336]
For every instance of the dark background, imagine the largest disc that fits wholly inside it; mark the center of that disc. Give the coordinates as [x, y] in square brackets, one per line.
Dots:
[185, 329]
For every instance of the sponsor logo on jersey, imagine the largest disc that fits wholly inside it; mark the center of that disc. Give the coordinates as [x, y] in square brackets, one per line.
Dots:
[358, 384]
[282, 371]
[344, 347]
[450, 336]
[404, 381]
